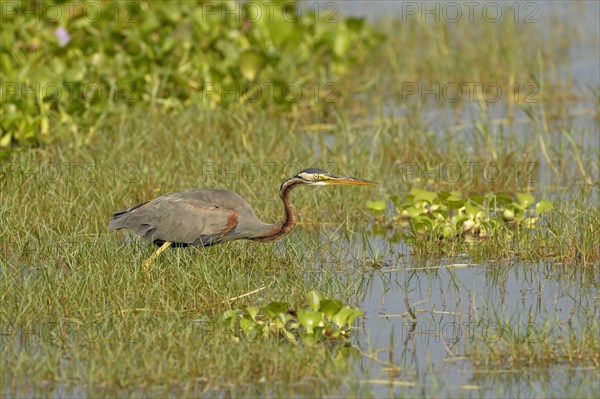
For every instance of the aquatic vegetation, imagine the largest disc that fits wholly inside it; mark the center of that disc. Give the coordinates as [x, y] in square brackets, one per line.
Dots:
[323, 320]
[452, 215]
[68, 78]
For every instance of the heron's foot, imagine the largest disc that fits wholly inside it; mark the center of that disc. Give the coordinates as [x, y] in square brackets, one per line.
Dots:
[159, 251]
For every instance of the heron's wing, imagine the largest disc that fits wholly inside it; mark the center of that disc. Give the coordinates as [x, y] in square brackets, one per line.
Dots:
[186, 220]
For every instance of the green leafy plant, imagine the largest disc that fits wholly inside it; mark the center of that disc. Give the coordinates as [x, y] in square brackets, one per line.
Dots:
[62, 74]
[323, 320]
[451, 215]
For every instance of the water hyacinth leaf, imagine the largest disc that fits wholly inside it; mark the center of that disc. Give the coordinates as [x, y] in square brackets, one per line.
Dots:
[477, 199]
[346, 315]
[314, 299]
[423, 195]
[249, 327]
[252, 311]
[425, 220]
[471, 210]
[274, 308]
[309, 319]
[525, 200]
[448, 230]
[283, 318]
[376, 206]
[544, 206]
[502, 199]
[455, 200]
[251, 61]
[230, 317]
[455, 196]
[354, 315]
[443, 196]
[413, 212]
[330, 307]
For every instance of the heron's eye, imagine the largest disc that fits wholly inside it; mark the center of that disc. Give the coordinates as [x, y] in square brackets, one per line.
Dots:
[316, 177]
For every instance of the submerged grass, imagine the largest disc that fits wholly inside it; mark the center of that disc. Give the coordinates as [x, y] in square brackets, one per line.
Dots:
[78, 313]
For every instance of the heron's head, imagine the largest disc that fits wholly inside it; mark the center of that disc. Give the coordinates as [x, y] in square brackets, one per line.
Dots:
[319, 177]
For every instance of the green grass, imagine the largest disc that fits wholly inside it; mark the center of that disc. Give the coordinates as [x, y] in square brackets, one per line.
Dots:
[79, 314]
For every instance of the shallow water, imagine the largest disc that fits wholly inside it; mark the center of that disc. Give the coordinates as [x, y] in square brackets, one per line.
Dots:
[460, 304]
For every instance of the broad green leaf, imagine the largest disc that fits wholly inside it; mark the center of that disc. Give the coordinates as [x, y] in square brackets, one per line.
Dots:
[477, 199]
[249, 327]
[356, 313]
[448, 231]
[330, 307]
[413, 212]
[455, 196]
[471, 210]
[275, 308]
[252, 311]
[525, 200]
[314, 299]
[544, 206]
[346, 315]
[455, 200]
[283, 318]
[251, 61]
[423, 195]
[502, 199]
[443, 196]
[377, 206]
[309, 319]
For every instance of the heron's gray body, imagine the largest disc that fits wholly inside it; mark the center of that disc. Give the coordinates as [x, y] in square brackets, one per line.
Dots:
[207, 217]
[193, 217]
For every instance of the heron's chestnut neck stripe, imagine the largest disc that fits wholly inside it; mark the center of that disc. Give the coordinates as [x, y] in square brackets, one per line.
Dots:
[283, 228]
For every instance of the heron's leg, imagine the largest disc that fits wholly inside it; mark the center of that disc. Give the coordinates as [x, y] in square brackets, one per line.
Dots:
[155, 255]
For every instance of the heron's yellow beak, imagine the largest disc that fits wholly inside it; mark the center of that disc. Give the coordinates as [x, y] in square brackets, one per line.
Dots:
[355, 181]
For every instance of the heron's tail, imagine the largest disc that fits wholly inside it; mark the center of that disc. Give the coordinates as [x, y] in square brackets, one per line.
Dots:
[118, 219]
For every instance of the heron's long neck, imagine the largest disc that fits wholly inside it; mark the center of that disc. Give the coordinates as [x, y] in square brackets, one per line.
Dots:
[284, 226]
